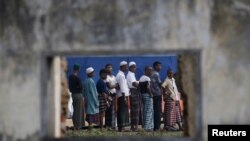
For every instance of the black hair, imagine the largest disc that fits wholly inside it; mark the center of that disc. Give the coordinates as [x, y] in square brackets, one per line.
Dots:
[156, 63]
[146, 68]
[102, 71]
[169, 70]
[108, 65]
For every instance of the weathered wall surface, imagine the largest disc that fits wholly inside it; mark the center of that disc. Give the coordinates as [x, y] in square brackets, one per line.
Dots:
[221, 29]
[226, 64]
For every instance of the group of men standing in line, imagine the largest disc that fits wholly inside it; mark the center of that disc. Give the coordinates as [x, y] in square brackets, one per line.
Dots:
[100, 98]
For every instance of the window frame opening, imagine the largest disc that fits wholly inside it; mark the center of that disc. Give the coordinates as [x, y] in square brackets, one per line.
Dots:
[185, 58]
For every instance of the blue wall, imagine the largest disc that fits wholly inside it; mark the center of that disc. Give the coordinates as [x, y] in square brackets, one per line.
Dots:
[98, 62]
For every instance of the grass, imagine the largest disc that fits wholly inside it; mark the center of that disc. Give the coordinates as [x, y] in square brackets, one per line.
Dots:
[104, 133]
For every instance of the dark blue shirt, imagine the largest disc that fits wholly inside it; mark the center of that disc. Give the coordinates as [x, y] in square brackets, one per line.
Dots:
[101, 87]
[75, 84]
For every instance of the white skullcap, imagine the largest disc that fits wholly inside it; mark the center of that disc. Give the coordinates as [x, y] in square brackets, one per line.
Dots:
[131, 64]
[89, 70]
[123, 63]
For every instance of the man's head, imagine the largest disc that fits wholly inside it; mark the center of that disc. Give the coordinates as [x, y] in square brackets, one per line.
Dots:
[123, 66]
[90, 72]
[157, 66]
[109, 68]
[170, 73]
[132, 66]
[76, 68]
[148, 70]
[103, 74]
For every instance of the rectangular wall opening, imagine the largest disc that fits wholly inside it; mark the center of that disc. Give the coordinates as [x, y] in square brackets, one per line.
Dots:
[185, 63]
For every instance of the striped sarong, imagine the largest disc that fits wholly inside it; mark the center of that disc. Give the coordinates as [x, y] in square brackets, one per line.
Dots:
[134, 107]
[148, 112]
[172, 113]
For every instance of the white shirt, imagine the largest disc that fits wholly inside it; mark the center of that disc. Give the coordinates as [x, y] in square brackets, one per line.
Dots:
[122, 81]
[170, 85]
[131, 79]
[176, 90]
[112, 80]
[144, 78]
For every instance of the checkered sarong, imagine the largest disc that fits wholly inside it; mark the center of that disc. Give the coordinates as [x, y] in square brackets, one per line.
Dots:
[110, 115]
[102, 103]
[134, 106]
[172, 113]
[93, 118]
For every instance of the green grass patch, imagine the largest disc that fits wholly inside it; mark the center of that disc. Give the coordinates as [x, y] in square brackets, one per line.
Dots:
[105, 133]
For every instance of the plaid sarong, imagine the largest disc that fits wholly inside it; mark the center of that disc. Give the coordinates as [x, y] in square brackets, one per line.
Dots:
[172, 113]
[110, 115]
[102, 103]
[93, 118]
[122, 113]
[148, 112]
[134, 106]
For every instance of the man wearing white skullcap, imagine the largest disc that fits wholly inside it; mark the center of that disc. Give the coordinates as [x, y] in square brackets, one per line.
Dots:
[131, 64]
[122, 63]
[134, 97]
[91, 98]
[89, 70]
[122, 94]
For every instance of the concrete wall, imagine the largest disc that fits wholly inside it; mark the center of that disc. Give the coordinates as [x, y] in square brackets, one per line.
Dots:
[221, 29]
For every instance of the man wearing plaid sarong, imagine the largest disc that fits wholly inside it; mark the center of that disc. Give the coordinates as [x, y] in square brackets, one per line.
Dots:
[110, 115]
[102, 95]
[91, 98]
[134, 97]
[172, 113]
[122, 94]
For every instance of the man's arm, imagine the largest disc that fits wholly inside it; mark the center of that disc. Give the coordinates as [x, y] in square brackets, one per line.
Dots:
[79, 84]
[165, 88]
[70, 84]
[133, 80]
[121, 84]
[149, 89]
[110, 86]
[93, 90]
[153, 82]
[164, 84]
[135, 84]
[158, 80]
